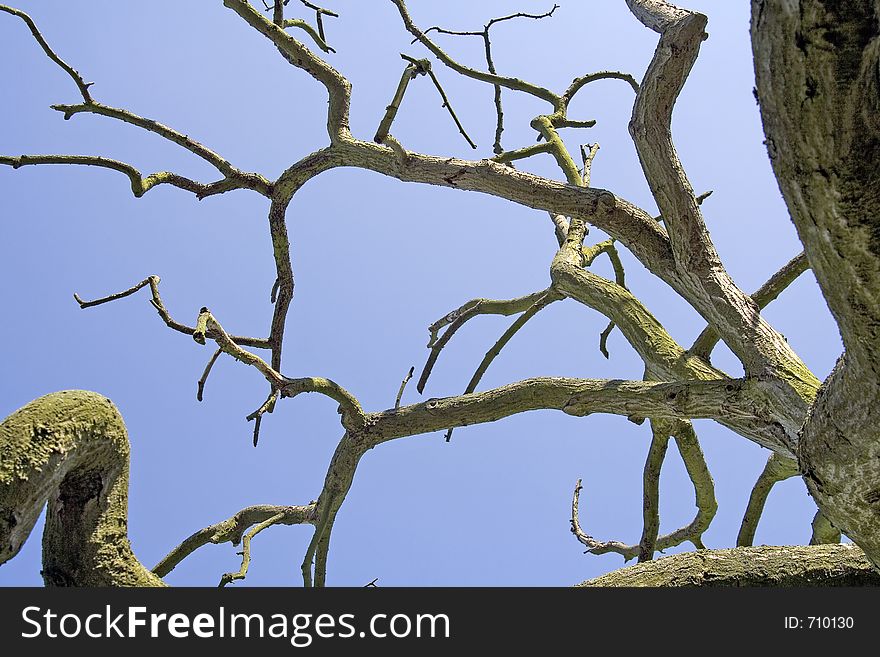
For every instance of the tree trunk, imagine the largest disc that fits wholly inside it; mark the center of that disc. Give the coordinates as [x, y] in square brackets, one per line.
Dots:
[816, 63]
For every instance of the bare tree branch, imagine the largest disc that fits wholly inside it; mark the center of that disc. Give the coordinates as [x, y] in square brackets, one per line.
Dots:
[139, 185]
[732, 313]
[490, 62]
[72, 72]
[156, 301]
[509, 83]
[233, 529]
[542, 302]
[457, 318]
[338, 88]
[228, 578]
[775, 285]
[824, 532]
[651, 490]
[767, 566]
[778, 468]
[704, 490]
[204, 378]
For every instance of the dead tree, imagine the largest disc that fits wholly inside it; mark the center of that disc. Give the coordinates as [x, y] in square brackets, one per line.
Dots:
[817, 84]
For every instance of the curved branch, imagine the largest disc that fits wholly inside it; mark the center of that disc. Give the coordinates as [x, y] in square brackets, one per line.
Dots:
[769, 291]
[170, 322]
[72, 72]
[70, 449]
[139, 184]
[338, 88]
[579, 83]
[720, 301]
[790, 565]
[704, 492]
[457, 318]
[542, 302]
[509, 83]
[232, 530]
[778, 468]
[308, 29]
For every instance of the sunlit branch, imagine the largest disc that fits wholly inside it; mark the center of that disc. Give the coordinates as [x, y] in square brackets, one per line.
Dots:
[769, 291]
[233, 529]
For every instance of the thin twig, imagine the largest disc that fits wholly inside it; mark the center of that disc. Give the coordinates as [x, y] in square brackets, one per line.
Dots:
[778, 468]
[769, 291]
[246, 550]
[414, 68]
[651, 490]
[113, 297]
[588, 154]
[156, 302]
[403, 386]
[490, 63]
[448, 106]
[308, 29]
[140, 185]
[545, 300]
[232, 529]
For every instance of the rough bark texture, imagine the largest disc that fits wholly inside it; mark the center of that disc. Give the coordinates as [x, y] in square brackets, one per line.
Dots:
[816, 63]
[790, 565]
[70, 449]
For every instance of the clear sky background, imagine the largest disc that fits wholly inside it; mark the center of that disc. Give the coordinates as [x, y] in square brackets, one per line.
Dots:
[376, 261]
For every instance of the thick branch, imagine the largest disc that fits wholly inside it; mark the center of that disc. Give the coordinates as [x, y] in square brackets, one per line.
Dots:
[790, 565]
[70, 449]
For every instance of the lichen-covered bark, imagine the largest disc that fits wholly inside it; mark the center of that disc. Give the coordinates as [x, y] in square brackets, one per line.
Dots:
[818, 82]
[69, 449]
[790, 565]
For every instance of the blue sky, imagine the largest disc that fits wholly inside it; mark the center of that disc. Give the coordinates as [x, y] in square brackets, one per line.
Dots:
[376, 261]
